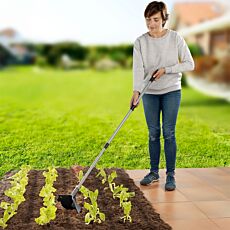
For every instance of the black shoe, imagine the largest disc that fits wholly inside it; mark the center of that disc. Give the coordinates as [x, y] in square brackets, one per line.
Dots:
[150, 178]
[170, 182]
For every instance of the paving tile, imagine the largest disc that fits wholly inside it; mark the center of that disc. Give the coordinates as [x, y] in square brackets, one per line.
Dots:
[222, 223]
[224, 189]
[202, 193]
[179, 211]
[200, 201]
[187, 180]
[207, 171]
[217, 180]
[225, 169]
[193, 224]
[214, 209]
[160, 195]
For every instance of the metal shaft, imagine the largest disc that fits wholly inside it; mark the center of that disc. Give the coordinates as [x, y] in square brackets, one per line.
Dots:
[76, 189]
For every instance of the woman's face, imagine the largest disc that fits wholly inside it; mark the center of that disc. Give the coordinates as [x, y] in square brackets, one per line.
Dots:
[154, 23]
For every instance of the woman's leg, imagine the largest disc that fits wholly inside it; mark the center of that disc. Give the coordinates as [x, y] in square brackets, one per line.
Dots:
[170, 103]
[151, 105]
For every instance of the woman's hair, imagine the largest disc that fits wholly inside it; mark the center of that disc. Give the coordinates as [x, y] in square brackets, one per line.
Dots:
[155, 7]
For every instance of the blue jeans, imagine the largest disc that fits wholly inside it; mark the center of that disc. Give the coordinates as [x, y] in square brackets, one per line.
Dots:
[168, 104]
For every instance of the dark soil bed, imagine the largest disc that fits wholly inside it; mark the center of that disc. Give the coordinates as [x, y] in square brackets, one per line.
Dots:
[143, 215]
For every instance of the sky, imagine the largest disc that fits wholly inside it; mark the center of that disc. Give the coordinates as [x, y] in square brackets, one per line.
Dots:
[87, 21]
[84, 21]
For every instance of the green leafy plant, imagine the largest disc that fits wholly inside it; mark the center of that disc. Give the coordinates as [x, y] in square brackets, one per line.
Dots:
[48, 212]
[111, 177]
[127, 206]
[122, 193]
[16, 192]
[103, 174]
[115, 189]
[118, 191]
[93, 213]
[80, 175]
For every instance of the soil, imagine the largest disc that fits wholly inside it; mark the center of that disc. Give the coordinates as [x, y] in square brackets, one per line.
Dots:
[143, 214]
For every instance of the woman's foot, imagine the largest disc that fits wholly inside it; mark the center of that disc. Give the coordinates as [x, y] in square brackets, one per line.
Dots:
[170, 182]
[150, 178]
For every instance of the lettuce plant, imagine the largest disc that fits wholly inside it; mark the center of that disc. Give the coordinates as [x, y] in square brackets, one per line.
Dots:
[103, 174]
[48, 212]
[93, 213]
[16, 192]
[122, 193]
[127, 206]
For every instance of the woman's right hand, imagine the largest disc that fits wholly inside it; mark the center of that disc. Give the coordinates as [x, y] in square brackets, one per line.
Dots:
[134, 98]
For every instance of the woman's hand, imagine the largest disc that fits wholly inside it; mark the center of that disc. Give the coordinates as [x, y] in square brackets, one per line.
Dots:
[134, 98]
[159, 73]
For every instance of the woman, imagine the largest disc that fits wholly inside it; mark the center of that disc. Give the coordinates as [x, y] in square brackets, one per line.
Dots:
[166, 51]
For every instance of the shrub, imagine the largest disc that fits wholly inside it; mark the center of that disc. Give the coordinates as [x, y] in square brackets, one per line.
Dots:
[41, 61]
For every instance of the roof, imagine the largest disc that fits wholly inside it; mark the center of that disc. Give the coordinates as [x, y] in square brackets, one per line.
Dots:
[191, 13]
[214, 24]
[8, 32]
[9, 36]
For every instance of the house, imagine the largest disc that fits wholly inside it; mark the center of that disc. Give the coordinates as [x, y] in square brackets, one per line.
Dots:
[204, 23]
[13, 48]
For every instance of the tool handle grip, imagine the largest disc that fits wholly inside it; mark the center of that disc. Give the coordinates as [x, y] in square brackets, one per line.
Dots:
[150, 80]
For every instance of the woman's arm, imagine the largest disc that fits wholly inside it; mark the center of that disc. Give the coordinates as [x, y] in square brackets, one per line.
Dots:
[186, 60]
[138, 67]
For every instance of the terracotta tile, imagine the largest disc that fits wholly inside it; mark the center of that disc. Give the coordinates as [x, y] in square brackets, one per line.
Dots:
[214, 209]
[207, 171]
[212, 176]
[223, 223]
[187, 180]
[218, 180]
[221, 171]
[225, 169]
[193, 224]
[160, 195]
[179, 211]
[208, 188]
[224, 189]
[202, 194]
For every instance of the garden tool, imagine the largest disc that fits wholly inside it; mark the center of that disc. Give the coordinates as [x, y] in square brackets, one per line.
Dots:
[69, 201]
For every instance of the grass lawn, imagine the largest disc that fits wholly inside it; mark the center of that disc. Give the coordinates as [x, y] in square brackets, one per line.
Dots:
[63, 118]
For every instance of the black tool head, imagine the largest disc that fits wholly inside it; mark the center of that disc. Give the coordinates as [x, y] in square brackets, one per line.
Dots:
[69, 202]
[66, 201]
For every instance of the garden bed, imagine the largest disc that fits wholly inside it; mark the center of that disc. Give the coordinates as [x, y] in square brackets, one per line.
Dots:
[142, 213]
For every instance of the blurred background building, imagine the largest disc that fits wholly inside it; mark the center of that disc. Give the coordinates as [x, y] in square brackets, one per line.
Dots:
[13, 48]
[204, 23]
[206, 28]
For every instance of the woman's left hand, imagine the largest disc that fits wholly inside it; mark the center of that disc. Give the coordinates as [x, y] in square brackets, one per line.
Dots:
[159, 73]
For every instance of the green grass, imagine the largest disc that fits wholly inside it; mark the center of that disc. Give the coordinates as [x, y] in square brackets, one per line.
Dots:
[62, 118]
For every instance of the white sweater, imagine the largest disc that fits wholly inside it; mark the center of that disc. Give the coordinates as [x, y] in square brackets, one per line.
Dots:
[170, 52]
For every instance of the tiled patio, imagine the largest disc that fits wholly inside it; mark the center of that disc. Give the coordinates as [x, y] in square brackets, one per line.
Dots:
[201, 200]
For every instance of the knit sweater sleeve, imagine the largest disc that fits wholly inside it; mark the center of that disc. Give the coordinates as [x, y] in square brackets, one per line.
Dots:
[186, 61]
[138, 67]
